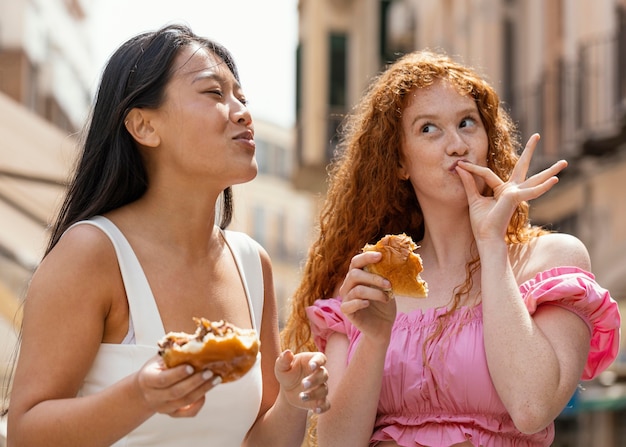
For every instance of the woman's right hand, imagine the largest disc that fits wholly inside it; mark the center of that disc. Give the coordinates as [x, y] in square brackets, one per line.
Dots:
[365, 301]
[178, 391]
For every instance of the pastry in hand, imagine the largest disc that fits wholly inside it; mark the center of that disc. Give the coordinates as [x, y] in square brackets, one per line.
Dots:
[221, 347]
[400, 265]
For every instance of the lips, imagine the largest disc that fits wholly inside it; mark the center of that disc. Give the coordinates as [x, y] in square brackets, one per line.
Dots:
[247, 135]
[455, 164]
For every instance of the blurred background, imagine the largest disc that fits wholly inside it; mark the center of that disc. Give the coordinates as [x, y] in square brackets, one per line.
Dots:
[559, 66]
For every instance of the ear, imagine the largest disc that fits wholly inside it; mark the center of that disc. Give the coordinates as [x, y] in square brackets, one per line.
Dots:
[403, 173]
[138, 123]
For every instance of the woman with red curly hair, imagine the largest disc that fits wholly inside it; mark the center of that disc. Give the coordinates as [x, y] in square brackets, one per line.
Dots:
[513, 319]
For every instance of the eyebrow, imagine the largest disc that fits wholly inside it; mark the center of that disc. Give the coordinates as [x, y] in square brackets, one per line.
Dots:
[212, 75]
[461, 112]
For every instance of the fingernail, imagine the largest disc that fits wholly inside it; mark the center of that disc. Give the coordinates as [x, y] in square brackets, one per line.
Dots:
[189, 369]
[313, 365]
[306, 383]
[318, 410]
[206, 375]
[217, 380]
[304, 397]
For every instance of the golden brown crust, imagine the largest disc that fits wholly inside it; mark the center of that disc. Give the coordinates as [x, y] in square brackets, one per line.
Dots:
[399, 265]
[220, 347]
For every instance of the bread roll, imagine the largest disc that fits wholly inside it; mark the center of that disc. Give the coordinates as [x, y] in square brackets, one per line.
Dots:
[399, 265]
[221, 347]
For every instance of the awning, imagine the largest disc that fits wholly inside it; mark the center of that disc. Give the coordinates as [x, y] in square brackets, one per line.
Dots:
[9, 306]
[35, 161]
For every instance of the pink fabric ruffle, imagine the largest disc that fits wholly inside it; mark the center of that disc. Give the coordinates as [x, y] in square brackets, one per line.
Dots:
[577, 291]
[326, 318]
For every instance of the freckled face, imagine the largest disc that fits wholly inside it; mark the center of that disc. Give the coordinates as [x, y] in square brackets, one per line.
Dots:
[204, 125]
[441, 127]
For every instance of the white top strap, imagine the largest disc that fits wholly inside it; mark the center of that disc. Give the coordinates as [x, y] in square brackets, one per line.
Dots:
[144, 314]
[248, 259]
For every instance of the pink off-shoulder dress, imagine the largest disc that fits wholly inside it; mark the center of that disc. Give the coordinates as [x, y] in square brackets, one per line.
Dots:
[453, 399]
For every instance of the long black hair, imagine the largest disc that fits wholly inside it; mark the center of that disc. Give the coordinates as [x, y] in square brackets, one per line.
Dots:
[110, 171]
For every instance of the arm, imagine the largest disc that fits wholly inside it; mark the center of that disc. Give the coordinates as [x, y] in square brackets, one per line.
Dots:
[546, 352]
[286, 379]
[65, 320]
[354, 394]
[354, 387]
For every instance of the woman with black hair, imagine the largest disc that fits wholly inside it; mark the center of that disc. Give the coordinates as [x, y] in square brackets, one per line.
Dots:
[135, 253]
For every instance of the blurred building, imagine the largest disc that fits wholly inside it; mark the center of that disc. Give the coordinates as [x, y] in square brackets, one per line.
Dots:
[559, 66]
[45, 81]
[274, 213]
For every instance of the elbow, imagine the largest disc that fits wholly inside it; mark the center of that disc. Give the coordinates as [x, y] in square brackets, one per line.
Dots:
[12, 440]
[15, 440]
[532, 418]
[18, 433]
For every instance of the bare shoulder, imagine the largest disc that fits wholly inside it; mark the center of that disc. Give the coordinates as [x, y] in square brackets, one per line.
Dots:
[546, 252]
[558, 250]
[79, 265]
[266, 261]
[83, 246]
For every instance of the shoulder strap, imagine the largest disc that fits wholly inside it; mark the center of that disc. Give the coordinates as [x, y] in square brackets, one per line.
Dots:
[246, 253]
[144, 313]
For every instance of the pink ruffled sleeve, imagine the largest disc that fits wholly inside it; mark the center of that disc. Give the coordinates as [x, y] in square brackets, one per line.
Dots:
[576, 290]
[326, 318]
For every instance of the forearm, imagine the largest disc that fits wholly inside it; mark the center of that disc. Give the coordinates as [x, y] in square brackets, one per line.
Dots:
[281, 425]
[96, 420]
[515, 346]
[354, 402]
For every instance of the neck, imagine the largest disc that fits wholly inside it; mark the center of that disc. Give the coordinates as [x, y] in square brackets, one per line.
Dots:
[184, 225]
[448, 240]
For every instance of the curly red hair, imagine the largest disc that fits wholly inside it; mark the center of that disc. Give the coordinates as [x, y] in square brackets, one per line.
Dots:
[367, 199]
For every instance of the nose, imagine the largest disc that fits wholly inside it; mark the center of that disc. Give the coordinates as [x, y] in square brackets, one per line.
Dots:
[456, 144]
[241, 113]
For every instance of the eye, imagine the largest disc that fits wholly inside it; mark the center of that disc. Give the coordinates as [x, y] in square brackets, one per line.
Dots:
[467, 122]
[243, 100]
[215, 92]
[428, 128]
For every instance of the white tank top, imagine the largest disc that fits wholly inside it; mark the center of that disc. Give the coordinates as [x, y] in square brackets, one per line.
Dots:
[230, 409]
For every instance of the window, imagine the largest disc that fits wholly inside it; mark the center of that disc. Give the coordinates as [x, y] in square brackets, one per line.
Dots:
[397, 29]
[259, 227]
[508, 62]
[621, 51]
[337, 92]
[338, 72]
[263, 156]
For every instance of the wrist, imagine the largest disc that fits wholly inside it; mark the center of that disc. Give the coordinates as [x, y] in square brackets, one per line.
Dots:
[378, 341]
[136, 393]
[491, 246]
[283, 405]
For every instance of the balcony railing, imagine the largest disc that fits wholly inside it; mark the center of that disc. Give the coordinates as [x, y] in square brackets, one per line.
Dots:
[575, 101]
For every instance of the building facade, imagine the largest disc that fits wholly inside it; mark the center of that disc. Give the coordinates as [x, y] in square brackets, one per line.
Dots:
[560, 68]
[273, 212]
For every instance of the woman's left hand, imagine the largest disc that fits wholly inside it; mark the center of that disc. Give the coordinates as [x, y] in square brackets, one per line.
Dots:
[490, 216]
[302, 379]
